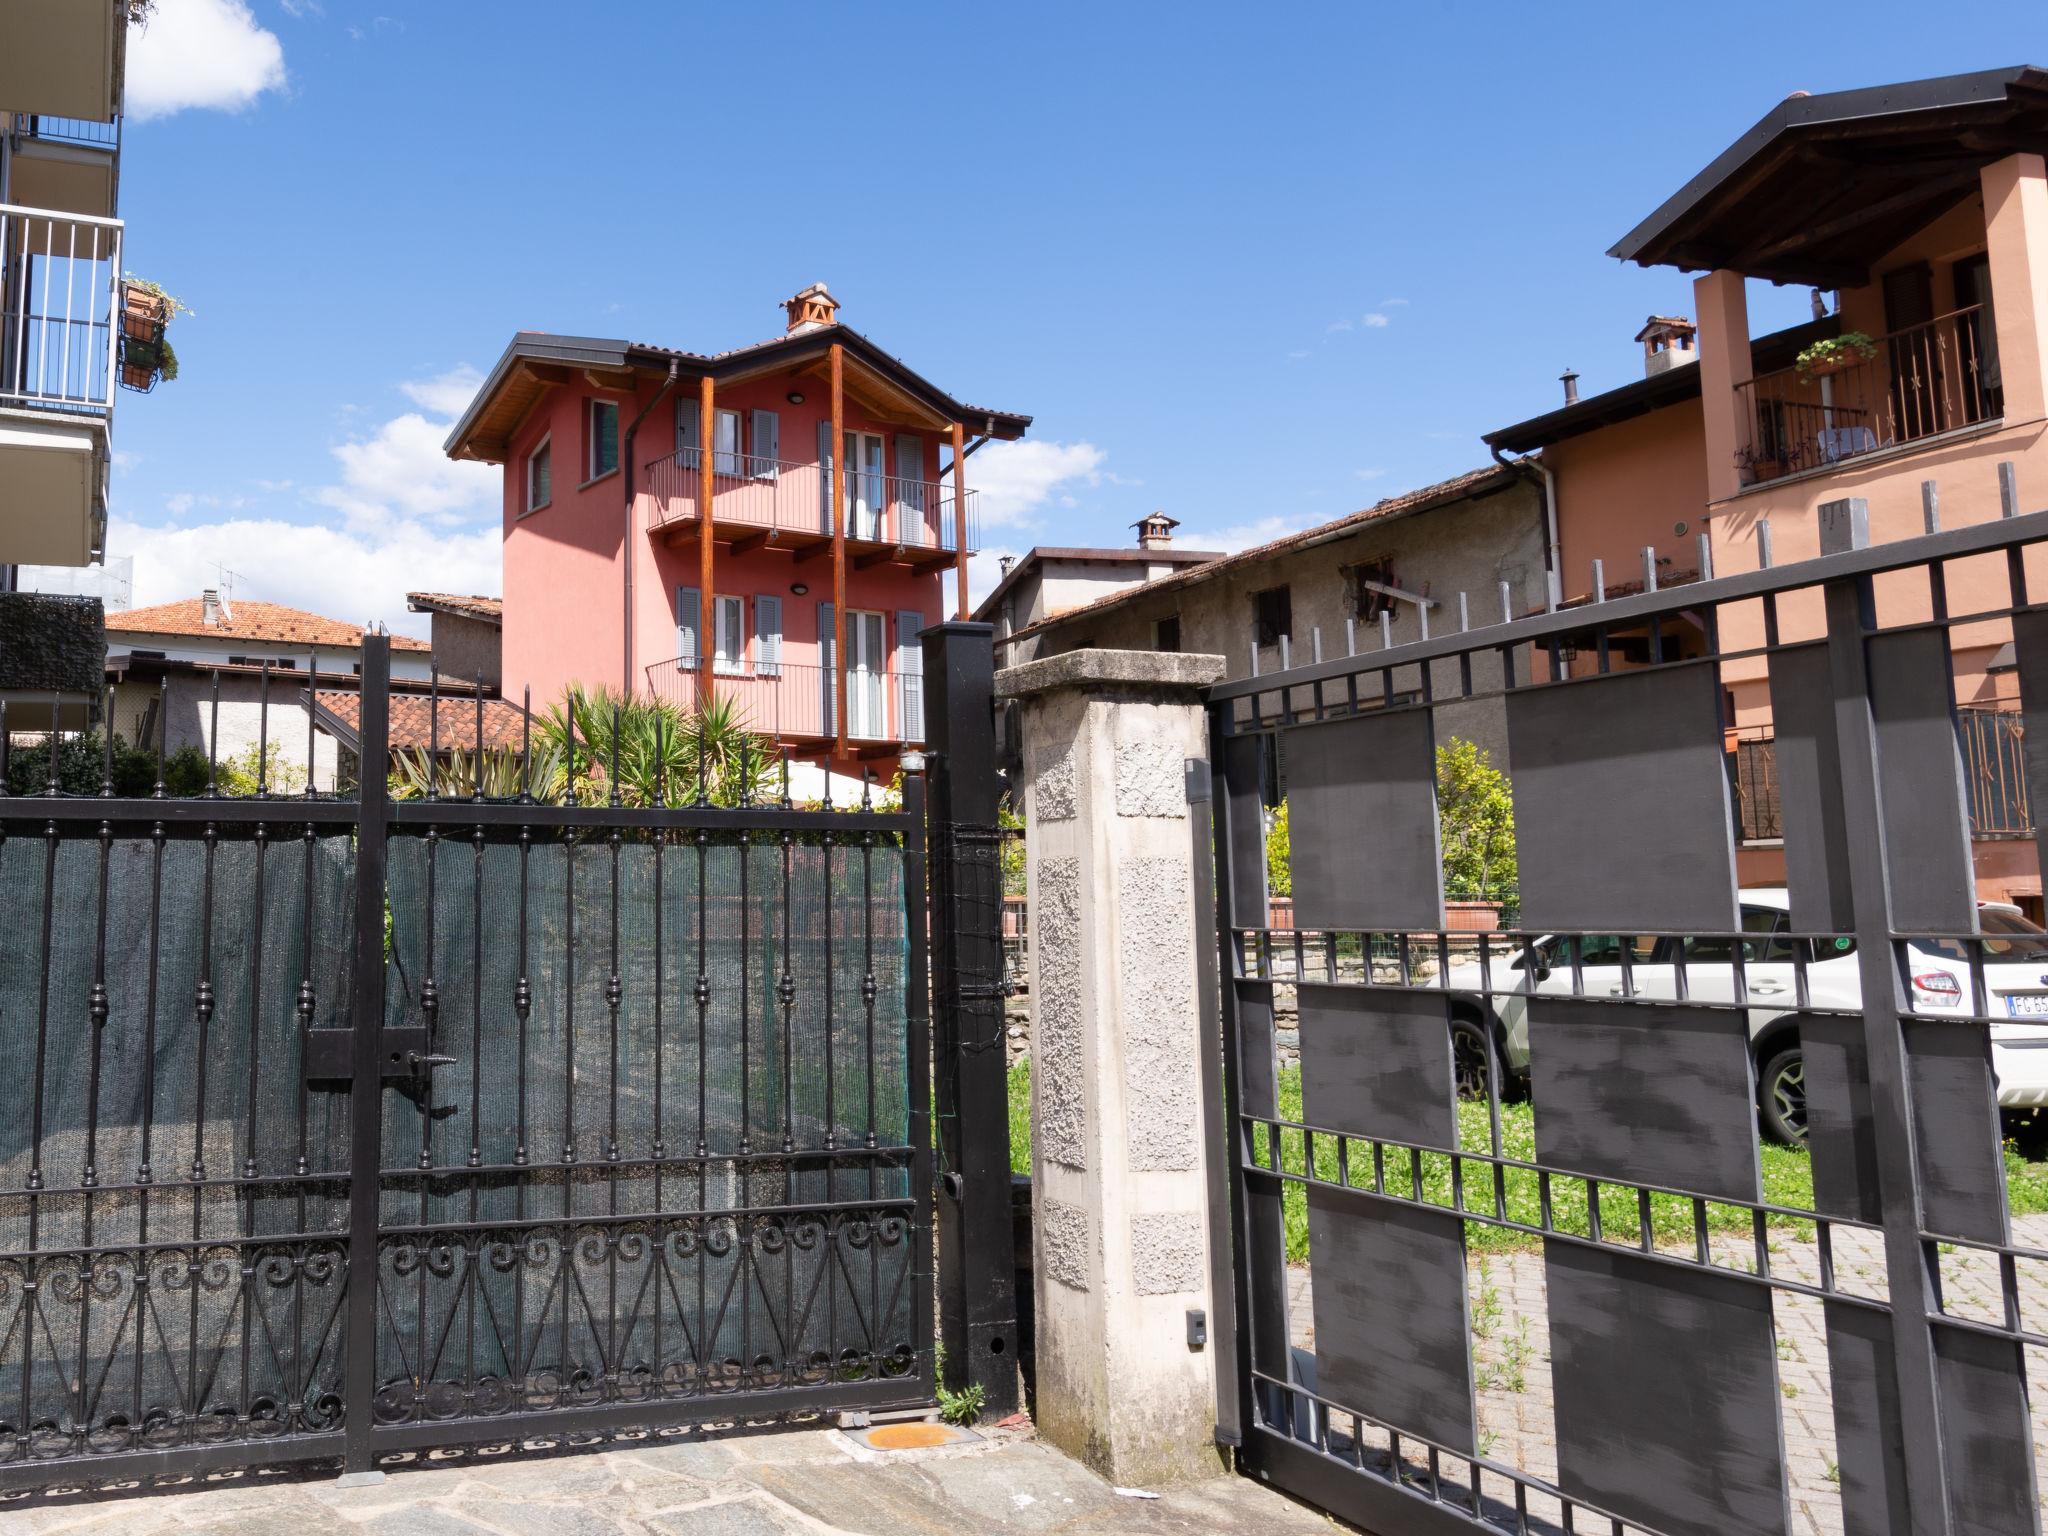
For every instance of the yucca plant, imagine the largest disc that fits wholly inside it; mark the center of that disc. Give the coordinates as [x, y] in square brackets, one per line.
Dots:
[659, 750]
[497, 773]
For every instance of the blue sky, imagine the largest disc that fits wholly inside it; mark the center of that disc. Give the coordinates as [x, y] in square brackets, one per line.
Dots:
[1255, 265]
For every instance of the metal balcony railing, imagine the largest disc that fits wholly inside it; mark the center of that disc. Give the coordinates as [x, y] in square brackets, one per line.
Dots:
[68, 130]
[790, 495]
[796, 701]
[1919, 381]
[60, 279]
[1756, 786]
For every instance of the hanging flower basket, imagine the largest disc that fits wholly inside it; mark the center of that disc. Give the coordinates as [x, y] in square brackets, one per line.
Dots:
[146, 354]
[1836, 355]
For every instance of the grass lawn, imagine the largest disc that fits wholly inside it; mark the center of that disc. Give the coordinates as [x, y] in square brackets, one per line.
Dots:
[1787, 1178]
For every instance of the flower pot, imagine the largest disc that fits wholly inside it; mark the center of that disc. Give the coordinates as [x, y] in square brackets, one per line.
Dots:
[143, 313]
[1827, 367]
[132, 377]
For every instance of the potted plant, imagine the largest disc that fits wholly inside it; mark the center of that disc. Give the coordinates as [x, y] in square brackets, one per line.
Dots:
[1759, 464]
[1835, 354]
[146, 312]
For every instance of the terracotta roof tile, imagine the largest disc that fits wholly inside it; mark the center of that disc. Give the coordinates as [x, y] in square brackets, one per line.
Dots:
[489, 609]
[268, 623]
[412, 719]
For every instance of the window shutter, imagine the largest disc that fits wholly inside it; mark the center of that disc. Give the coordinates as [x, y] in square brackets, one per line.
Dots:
[909, 676]
[824, 477]
[767, 444]
[689, 623]
[910, 488]
[686, 433]
[767, 635]
[828, 665]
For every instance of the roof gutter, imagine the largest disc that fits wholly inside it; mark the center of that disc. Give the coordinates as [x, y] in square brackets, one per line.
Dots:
[1529, 463]
[626, 478]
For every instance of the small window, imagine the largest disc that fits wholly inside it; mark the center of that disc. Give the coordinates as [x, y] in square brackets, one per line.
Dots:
[1273, 615]
[540, 480]
[728, 634]
[726, 452]
[1368, 602]
[604, 438]
[1166, 634]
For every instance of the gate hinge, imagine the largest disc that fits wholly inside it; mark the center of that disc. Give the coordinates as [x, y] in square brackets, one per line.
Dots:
[1196, 773]
[401, 1052]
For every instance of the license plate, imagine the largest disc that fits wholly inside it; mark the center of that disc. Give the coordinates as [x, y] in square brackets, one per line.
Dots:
[2027, 1005]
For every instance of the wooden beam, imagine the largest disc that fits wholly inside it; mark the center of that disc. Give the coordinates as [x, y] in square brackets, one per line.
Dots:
[706, 422]
[545, 373]
[875, 557]
[812, 551]
[837, 354]
[748, 542]
[931, 563]
[622, 380]
[960, 512]
[1897, 202]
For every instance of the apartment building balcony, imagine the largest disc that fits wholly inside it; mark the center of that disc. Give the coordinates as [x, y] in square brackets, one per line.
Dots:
[777, 503]
[1921, 382]
[60, 279]
[796, 703]
[68, 164]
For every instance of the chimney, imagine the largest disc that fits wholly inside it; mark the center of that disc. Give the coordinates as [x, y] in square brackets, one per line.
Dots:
[209, 608]
[1004, 562]
[1570, 380]
[1669, 341]
[811, 310]
[1156, 531]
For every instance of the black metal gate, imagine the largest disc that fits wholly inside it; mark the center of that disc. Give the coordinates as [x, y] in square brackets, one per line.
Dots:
[1598, 1185]
[349, 1126]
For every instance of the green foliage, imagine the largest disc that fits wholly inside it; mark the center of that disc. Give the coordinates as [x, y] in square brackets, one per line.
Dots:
[1850, 346]
[82, 767]
[1012, 850]
[660, 749]
[1020, 1117]
[497, 773]
[962, 1407]
[242, 773]
[1476, 814]
[1279, 854]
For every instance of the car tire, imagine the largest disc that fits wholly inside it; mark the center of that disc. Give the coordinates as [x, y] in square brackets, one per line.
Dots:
[1468, 1059]
[1781, 1094]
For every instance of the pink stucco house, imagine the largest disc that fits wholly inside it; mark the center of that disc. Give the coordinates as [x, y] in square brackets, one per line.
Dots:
[773, 524]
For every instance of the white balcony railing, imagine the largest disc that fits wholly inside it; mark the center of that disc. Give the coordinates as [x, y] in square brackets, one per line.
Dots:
[796, 701]
[791, 496]
[60, 330]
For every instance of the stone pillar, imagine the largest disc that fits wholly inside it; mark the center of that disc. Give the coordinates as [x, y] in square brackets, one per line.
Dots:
[1119, 1197]
[1724, 363]
[2016, 240]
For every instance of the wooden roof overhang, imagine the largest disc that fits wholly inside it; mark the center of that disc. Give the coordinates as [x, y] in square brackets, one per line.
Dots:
[1824, 185]
[536, 362]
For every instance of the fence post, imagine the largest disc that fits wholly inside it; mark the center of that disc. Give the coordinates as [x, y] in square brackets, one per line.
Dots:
[366, 1088]
[1121, 928]
[977, 1275]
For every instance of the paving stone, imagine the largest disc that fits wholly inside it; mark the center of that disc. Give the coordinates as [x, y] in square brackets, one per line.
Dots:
[871, 1500]
[546, 1517]
[418, 1520]
[737, 1517]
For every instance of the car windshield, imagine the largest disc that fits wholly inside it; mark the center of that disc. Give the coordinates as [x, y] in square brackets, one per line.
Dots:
[2008, 939]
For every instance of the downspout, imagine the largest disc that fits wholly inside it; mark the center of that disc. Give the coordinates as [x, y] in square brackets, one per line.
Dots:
[626, 466]
[1553, 562]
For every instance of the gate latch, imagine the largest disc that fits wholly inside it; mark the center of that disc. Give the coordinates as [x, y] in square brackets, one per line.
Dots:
[402, 1052]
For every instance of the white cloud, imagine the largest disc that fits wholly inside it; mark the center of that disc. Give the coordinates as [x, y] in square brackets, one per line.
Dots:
[201, 53]
[447, 395]
[1392, 303]
[410, 517]
[1369, 474]
[1016, 479]
[332, 571]
[299, 9]
[985, 569]
[1338, 325]
[1376, 321]
[1232, 537]
[1296, 356]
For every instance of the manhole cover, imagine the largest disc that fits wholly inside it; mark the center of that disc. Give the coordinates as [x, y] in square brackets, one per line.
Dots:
[914, 1437]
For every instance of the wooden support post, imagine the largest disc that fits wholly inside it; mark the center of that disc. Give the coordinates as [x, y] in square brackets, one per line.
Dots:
[706, 608]
[837, 354]
[960, 513]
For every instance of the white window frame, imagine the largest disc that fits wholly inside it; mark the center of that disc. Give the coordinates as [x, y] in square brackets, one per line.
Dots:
[721, 663]
[729, 461]
[591, 406]
[544, 446]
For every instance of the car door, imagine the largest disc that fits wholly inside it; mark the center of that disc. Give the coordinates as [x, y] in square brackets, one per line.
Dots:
[1769, 984]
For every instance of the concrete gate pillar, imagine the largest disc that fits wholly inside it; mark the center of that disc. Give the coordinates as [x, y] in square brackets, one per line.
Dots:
[1119, 1126]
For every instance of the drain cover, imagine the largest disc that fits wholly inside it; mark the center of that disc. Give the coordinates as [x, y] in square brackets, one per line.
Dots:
[913, 1437]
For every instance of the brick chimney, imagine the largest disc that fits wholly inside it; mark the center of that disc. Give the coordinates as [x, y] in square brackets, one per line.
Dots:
[1156, 531]
[209, 608]
[1669, 341]
[812, 309]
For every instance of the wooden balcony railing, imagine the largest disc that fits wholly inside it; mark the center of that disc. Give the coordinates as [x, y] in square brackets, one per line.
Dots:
[797, 701]
[794, 497]
[1920, 381]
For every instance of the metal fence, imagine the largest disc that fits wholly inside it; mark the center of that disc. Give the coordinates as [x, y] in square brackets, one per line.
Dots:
[356, 1127]
[1617, 1052]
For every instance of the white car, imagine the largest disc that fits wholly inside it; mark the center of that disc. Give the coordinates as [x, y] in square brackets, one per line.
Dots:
[2015, 978]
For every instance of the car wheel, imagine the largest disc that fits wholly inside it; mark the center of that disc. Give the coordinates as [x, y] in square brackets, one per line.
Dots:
[1468, 1057]
[1781, 1095]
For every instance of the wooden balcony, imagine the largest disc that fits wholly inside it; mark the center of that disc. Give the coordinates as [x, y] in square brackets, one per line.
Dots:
[796, 703]
[778, 504]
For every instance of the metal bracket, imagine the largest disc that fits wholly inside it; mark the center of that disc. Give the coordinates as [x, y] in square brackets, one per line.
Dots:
[401, 1052]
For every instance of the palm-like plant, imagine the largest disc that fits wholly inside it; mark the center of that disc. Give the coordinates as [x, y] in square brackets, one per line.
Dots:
[496, 773]
[660, 751]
